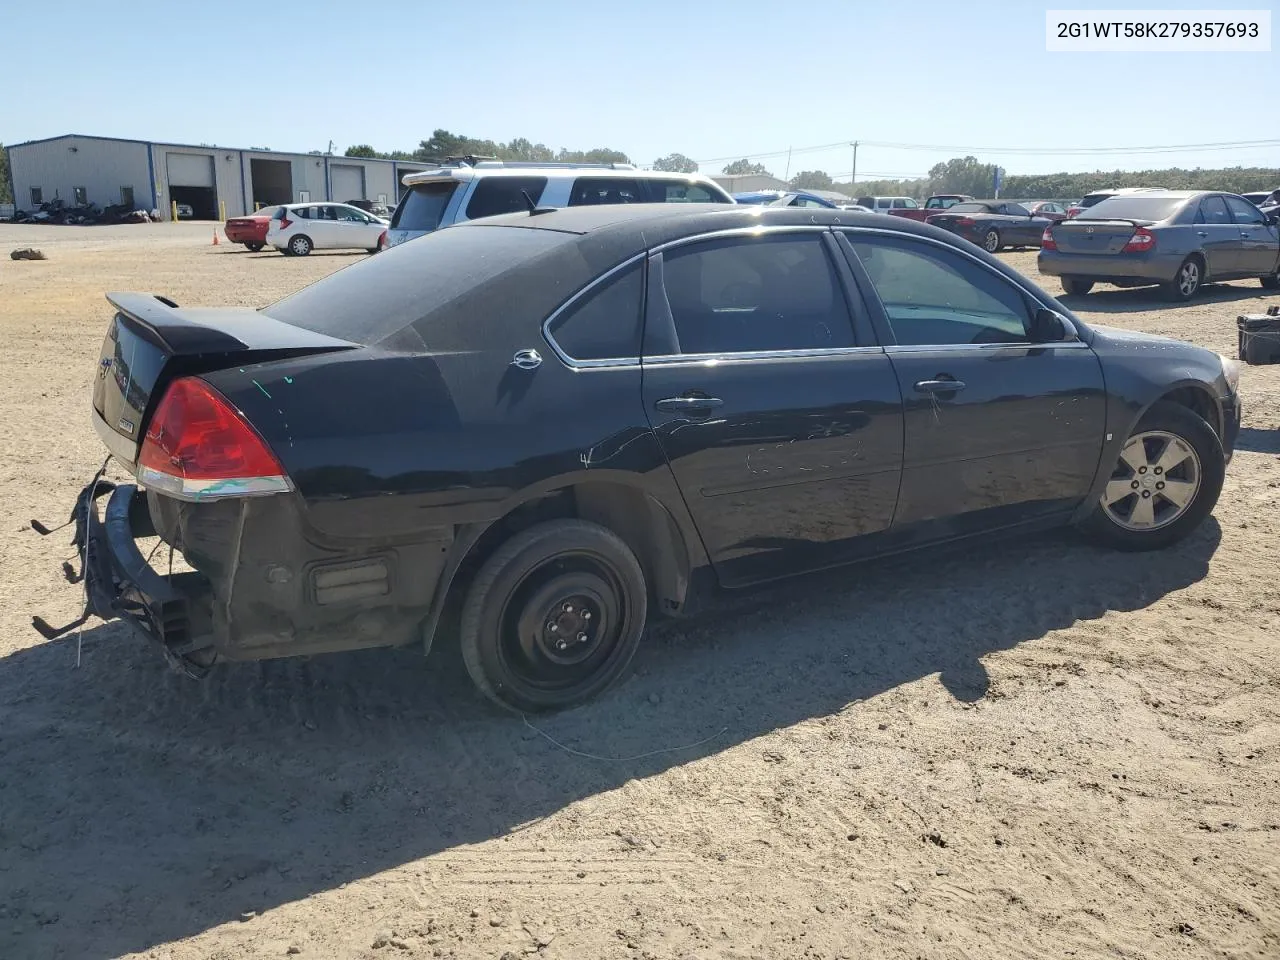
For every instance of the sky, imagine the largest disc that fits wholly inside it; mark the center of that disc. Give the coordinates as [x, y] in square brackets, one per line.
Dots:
[712, 80]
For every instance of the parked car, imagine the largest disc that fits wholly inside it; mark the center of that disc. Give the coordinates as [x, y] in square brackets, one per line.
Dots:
[1049, 209]
[808, 198]
[380, 210]
[993, 224]
[455, 194]
[251, 229]
[1099, 195]
[758, 197]
[938, 203]
[886, 204]
[1263, 198]
[298, 228]
[343, 466]
[1178, 239]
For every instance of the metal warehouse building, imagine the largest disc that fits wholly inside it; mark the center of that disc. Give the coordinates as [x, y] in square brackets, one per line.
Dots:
[213, 181]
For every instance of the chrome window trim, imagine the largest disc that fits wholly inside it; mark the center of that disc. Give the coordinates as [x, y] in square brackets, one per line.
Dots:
[604, 362]
[673, 359]
[1035, 297]
[984, 347]
[759, 231]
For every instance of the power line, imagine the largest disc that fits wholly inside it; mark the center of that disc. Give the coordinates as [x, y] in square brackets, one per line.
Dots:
[1027, 151]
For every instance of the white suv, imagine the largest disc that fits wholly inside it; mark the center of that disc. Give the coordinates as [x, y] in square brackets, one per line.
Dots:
[298, 228]
[885, 204]
[451, 194]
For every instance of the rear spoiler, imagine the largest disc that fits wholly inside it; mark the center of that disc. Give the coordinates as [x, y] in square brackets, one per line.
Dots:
[194, 331]
[1134, 223]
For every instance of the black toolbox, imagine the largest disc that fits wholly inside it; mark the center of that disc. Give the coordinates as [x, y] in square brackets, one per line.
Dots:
[1259, 336]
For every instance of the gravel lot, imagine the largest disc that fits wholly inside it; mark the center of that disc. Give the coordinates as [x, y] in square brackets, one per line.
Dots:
[1038, 749]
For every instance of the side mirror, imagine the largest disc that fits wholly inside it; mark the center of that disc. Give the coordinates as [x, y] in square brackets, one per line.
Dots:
[1049, 326]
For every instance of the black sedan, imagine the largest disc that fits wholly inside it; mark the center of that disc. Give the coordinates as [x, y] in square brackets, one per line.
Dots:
[994, 224]
[559, 425]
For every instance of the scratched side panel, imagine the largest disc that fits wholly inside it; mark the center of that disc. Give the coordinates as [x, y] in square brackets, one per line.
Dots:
[802, 458]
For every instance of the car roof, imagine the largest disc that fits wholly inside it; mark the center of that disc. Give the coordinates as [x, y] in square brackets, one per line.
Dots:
[551, 172]
[1167, 194]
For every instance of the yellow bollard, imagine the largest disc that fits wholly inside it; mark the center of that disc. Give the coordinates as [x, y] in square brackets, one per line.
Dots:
[174, 204]
[222, 209]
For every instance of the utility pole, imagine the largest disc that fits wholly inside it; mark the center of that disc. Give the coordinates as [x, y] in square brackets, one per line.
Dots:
[853, 177]
[787, 176]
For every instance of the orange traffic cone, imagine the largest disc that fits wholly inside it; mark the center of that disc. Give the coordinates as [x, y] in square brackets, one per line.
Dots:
[215, 238]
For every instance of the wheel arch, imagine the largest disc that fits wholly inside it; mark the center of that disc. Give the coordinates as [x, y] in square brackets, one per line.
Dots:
[669, 551]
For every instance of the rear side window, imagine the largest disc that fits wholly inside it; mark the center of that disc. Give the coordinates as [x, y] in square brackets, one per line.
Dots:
[751, 294]
[1213, 210]
[495, 196]
[422, 206]
[605, 323]
[591, 191]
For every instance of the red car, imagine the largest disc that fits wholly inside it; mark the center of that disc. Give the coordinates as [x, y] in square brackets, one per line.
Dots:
[250, 230]
[1049, 209]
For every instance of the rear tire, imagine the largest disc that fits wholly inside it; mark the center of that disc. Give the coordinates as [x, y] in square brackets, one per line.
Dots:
[300, 245]
[372, 251]
[254, 247]
[1138, 509]
[1186, 282]
[554, 616]
[1076, 286]
[1272, 282]
[991, 242]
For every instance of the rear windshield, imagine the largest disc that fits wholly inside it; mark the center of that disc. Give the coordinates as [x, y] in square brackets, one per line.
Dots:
[422, 207]
[411, 284]
[968, 208]
[1135, 208]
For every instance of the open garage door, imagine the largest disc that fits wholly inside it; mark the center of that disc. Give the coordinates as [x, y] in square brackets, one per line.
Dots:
[401, 171]
[191, 184]
[346, 182]
[272, 182]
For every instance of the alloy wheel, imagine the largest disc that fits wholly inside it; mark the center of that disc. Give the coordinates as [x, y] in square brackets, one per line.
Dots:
[1155, 481]
[1189, 278]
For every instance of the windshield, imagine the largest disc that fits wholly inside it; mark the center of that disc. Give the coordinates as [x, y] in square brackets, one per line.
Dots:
[1135, 208]
[423, 206]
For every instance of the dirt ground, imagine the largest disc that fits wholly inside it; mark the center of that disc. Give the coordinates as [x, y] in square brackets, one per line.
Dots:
[1038, 749]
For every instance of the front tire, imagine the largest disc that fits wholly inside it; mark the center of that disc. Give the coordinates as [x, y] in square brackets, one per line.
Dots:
[554, 617]
[300, 245]
[1165, 482]
[1076, 286]
[991, 242]
[1186, 282]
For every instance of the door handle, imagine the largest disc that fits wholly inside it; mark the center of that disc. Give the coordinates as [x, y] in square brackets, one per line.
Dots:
[939, 386]
[1201, 233]
[689, 404]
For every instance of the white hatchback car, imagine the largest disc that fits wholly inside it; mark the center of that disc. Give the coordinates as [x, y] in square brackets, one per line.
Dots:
[298, 228]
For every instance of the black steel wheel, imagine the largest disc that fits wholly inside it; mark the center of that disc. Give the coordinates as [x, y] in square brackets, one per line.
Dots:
[254, 247]
[1165, 482]
[554, 617]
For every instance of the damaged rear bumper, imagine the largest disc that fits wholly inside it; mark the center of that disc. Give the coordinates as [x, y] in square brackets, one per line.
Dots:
[173, 610]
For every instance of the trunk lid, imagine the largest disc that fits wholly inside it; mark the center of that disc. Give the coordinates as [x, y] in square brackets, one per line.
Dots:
[1099, 237]
[948, 221]
[150, 341]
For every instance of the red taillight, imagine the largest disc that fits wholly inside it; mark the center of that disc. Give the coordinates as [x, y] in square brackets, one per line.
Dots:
[1046, 240]
[285, 223]
[1074, 211]
[199, 447]
[965, 222]
[1141, 241]
[382, 240]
